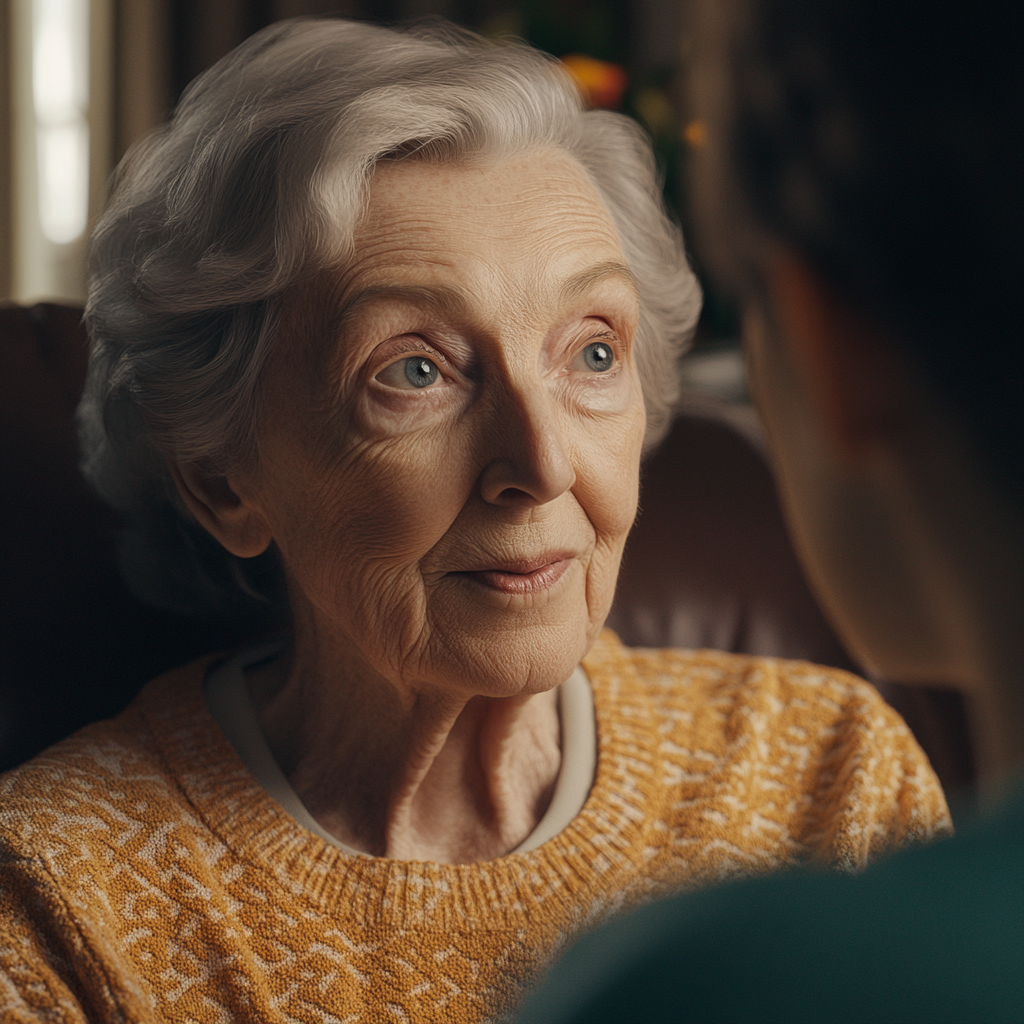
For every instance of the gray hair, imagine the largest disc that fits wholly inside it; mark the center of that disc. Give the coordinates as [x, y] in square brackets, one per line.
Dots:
[258, 180]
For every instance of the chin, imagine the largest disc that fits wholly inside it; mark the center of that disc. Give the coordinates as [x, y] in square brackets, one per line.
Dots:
[512, 658]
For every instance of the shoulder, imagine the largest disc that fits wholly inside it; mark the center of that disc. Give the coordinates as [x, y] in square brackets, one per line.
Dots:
[812, 751]
[92, 787]
[84, 767]
[775, 688]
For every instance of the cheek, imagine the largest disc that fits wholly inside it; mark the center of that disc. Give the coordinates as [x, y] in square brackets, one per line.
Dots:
[770, 390]
[780, 404]
[607, 490]
[607, 463]
[352, 528]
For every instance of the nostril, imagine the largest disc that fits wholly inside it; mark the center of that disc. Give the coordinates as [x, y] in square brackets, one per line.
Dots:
[514, 496]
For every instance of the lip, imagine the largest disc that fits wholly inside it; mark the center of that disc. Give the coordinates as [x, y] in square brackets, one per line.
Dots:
[522, 576]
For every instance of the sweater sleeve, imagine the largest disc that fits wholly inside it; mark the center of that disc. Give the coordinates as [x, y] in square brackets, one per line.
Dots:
[48, 972]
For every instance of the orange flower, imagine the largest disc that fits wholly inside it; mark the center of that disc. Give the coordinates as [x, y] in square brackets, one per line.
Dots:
[696, 134]
[602, 84]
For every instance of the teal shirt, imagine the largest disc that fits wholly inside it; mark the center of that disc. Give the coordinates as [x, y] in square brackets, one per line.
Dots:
[933, 934]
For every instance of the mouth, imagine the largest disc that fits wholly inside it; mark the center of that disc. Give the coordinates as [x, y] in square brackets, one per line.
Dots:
[526, 576]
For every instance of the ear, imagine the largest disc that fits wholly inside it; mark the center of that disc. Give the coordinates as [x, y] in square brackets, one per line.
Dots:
[230, 519]
[854, 374]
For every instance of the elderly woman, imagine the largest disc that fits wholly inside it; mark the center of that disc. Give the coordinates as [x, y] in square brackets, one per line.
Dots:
[382, 323]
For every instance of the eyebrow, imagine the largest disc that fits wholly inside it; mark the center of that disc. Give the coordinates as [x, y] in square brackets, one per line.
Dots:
[581, 283]
[453, 301]
[444, 298]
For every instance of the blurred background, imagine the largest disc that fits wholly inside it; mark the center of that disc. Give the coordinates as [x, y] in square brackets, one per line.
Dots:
[84, 79]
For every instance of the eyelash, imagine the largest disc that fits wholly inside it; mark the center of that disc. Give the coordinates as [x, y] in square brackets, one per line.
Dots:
[608, 335]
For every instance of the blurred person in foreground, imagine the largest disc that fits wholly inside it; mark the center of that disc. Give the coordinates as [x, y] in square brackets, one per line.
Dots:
[861, 190]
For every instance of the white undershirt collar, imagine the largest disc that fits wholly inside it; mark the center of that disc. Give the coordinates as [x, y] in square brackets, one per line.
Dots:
[228, 699]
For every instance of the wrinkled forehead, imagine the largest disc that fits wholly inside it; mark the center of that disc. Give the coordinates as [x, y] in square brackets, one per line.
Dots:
[535, 174]
[532, 219]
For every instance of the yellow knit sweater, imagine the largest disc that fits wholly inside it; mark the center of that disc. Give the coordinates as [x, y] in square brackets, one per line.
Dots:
[144, 875]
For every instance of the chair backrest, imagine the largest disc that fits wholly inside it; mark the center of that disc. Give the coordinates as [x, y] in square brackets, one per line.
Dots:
[75, 645]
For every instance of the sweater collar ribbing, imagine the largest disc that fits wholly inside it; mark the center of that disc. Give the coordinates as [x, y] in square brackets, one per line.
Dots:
[599, 852]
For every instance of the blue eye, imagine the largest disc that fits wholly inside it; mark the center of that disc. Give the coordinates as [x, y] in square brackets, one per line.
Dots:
[413, 372]
[420, 372]
[599, 356]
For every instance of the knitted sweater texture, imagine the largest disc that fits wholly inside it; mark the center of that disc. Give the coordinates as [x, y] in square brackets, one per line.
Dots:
[145, 876]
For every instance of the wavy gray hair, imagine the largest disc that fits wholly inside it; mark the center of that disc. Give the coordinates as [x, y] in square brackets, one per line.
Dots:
[259, 179]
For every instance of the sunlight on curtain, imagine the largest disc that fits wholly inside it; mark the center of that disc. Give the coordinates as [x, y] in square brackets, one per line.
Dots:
[60, 94]
[61, 67]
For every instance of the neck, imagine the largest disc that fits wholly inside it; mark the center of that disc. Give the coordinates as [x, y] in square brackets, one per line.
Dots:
[968, 545]
[401, 770]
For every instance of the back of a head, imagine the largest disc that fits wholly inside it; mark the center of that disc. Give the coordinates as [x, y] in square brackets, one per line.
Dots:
[882, 142]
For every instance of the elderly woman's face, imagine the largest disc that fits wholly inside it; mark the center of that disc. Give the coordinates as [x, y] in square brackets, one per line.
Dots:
[450, 453]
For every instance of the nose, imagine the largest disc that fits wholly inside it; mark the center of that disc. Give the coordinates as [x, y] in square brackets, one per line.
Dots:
[531, 464]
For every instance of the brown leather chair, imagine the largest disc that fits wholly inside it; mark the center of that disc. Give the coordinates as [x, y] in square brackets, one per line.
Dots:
[709, 563]
[75, 645]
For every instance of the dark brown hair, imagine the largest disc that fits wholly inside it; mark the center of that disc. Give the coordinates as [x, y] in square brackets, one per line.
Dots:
[885, 142]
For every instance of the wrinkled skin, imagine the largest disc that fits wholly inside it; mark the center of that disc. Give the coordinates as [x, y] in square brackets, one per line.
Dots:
[452, 549]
